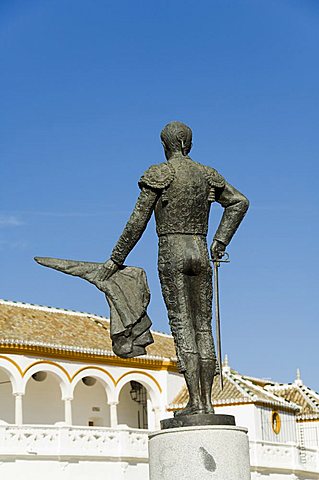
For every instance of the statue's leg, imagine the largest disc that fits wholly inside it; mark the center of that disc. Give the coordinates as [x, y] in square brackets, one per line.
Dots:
[180, 318]
[202, 295]
[176, 292]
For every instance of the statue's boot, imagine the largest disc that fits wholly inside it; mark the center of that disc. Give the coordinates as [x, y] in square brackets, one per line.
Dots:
[207, 372]
[191, 375]
[86, 270]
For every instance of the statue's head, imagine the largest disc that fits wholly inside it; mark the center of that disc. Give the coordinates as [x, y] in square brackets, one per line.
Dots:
[176, 138]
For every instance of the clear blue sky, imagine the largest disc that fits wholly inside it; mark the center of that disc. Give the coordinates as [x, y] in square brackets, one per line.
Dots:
[86, 88]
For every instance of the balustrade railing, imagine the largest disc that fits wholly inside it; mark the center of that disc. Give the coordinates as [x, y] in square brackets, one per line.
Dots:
[73, 441]
[94, 442]
[284, 456]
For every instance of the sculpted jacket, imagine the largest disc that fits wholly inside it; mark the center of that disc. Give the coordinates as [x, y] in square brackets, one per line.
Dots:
[180, 192]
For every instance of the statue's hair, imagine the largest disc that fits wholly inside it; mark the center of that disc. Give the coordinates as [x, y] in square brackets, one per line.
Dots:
[177, 137]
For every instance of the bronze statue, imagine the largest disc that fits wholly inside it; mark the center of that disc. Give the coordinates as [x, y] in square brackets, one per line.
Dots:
[180, 192]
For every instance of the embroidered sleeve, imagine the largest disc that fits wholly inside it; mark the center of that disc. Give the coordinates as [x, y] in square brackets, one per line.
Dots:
[235, 207]
[135, 225]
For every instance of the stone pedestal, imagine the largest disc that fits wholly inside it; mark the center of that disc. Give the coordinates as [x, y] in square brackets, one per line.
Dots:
[210, 452]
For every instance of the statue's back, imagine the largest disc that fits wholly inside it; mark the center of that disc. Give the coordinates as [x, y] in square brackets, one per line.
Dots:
[184, 205]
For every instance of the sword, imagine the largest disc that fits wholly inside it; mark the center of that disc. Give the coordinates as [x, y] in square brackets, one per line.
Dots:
[216, 264]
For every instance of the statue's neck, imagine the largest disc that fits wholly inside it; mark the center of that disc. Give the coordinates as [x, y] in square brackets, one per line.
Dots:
[177, 156]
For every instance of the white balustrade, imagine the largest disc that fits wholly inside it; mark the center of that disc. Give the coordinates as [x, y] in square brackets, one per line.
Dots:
[283, 456]
[60, 441]
[125, 444]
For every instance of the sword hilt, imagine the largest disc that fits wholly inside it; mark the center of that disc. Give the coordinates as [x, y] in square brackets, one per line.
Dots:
[216, 262]
[223, 259]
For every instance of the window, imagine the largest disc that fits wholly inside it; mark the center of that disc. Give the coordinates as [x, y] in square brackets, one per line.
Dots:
[276, 422]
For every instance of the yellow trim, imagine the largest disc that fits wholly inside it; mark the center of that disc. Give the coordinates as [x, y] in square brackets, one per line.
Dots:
[141, 373]
[93, 368]
[301, 420]
[275, 422]
[13, 362]
[48, 362]
[151, 364]
[170, 409]
[260, 403]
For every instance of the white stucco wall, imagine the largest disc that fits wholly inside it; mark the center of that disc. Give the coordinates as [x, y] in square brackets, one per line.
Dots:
[90, 404]
[61, 450]
[245, 416]
[288, 427]
[175, 382]
[130, 412]
[308, 433]
[42, 402]
[7, 406]
[46, 402]
[77, 469]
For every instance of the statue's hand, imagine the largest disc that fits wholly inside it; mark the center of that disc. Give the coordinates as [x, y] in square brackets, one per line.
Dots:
[217, 250]
[107, 270]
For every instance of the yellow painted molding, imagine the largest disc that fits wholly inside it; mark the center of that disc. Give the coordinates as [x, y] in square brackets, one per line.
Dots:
[151, 364]
[47, 362]
[93, 368]
[13, 363]
[280, 408]
[141, 373]
[169, 409]
[301, 420]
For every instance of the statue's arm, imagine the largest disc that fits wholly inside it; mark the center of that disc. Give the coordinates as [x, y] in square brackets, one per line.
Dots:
[135, 226]
[152, 183]
[235, 206]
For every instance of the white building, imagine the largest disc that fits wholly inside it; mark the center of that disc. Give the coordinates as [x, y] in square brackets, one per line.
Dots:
[282, 422]
[70, 408]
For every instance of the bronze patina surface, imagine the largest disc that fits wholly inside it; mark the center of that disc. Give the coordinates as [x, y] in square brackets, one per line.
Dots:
[180, 421]
[180, 192]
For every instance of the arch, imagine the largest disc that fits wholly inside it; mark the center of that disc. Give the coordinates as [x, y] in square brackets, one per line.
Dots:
[14, 372]
[134, 408]
[91, 401]
[48, 366]
[7, 400]
[101, 374]
[144, 378]
[42, 401]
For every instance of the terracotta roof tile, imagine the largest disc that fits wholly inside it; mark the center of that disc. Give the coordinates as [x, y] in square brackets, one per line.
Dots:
[27, 324]
[237, 389]
[305, 397]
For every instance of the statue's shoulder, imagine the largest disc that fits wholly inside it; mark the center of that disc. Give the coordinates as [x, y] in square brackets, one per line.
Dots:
[214, 178]
[157, 176]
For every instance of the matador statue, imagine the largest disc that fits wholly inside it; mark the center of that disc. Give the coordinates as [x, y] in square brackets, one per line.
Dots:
[180, 191]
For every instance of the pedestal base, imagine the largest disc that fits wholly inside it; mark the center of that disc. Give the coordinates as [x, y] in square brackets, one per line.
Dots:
[200, 419]
[217, 452]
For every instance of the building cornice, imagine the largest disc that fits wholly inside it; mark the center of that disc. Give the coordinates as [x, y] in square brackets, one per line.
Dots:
[85, 355]
[235, 402]
[307, 418]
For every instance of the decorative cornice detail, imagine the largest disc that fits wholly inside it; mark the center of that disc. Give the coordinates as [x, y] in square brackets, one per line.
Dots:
[85, 355]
